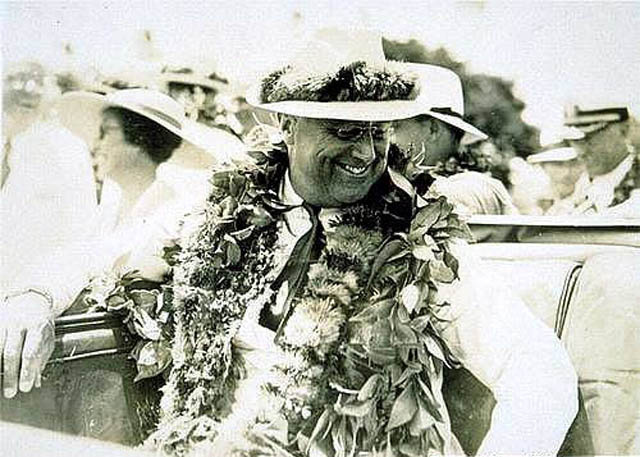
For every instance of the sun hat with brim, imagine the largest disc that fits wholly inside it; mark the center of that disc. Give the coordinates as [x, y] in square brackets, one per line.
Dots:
[441, 97]
[563, 154]
[340, 74]
[343, 74]
[81, 112]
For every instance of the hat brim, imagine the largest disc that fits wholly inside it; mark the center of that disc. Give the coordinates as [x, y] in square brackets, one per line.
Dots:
[565, 154]
[472, 134]
[372, 111]
[81, 112]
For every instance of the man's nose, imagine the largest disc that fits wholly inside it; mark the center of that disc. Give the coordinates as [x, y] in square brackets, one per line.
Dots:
[363, 151]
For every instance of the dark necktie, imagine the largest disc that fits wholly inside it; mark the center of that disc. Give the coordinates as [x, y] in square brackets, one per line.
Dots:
[306, 251]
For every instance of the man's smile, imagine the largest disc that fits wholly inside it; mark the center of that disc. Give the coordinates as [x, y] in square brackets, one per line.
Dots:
[355, 169]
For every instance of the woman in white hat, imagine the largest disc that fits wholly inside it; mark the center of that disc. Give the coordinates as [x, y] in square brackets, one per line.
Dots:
[136, 132]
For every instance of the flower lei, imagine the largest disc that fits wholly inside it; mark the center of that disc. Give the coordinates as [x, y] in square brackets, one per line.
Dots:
[363, 361]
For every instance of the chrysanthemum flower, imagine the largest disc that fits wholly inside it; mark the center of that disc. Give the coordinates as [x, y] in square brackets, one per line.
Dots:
[314, 323]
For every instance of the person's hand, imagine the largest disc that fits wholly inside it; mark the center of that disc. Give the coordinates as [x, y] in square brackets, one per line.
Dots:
[26, 341]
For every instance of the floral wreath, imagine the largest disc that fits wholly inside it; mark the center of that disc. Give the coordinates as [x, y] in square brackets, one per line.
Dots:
[361, 360]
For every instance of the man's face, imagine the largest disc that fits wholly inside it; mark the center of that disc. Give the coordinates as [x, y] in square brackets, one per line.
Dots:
[425, 133]
[335, 163]
[603, 150]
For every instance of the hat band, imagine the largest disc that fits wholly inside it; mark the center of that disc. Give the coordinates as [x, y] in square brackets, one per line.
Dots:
[162, 115]
[448, 111]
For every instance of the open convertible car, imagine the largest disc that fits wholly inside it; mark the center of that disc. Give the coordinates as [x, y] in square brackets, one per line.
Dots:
[89, 386]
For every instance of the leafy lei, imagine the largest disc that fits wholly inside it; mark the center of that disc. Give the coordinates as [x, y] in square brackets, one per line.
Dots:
[361, 362]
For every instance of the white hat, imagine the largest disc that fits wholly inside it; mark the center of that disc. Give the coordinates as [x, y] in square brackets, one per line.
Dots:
[441, 97]
[81, 112]
[437, 91]
[329, 54]
[563, 154]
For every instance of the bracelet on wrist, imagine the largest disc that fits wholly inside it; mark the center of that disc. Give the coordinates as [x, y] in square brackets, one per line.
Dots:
[32, 290]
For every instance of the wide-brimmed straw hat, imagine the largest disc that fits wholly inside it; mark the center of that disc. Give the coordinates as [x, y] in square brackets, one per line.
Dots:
[441, 97]
[339, 74]
[81, 112]
[343, 74]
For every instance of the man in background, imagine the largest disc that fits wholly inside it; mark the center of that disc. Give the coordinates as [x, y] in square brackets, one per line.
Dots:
[561, 164]
[604, 141]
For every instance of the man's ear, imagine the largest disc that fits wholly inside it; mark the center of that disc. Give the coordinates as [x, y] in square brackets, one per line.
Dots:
[287, 127]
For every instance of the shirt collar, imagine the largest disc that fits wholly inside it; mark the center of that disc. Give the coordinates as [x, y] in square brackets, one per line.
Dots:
[288, 194]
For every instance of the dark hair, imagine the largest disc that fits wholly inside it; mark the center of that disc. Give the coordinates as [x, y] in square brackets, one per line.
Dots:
[158, 142]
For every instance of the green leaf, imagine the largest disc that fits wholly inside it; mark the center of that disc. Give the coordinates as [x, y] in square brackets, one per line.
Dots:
[144, 324]
[370, 387]
[117, 303]
[403, 408]
[426, 217]
[422, 420]
[420, 323]
[390, 249]
[433, 347]
[355, 408]
[403, 314]
[440, 272]
[339, 437]
[410, 296]
[405, 334]
[242, 234]
[152, 359]
[378, 310]
[406, 374]
[451, 262]
[145, 299]
[430, 402]
[421, 252]
[382, 355]
[323, 424]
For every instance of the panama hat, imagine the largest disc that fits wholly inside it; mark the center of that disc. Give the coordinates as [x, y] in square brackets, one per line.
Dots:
[343, 74]
[81, 112]
[340, 74]
[441, 97]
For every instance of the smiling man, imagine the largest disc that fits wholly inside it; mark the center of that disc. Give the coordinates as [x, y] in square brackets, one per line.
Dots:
[335, 163]
[324, 195]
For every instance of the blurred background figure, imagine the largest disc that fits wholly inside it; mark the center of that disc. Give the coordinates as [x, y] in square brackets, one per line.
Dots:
[36, 147]
[561, 164]
[530, 187]
[606, 140]
[476, 193]
[206, 99]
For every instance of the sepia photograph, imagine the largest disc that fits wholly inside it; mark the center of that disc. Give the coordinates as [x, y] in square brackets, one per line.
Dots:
[320, 228]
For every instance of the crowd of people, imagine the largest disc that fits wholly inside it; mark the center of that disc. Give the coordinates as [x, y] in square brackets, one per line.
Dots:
[316, 219]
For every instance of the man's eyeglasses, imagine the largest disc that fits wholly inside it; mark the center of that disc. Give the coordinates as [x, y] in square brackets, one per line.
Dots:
[356, 132]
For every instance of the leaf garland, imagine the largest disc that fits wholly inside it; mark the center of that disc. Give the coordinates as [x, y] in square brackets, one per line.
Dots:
[369, 359]
[365, 363]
